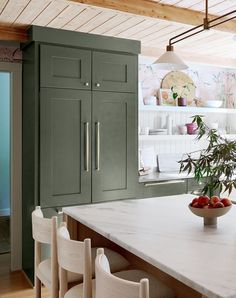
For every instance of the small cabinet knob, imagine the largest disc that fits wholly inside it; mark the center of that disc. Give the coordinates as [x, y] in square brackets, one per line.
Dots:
[97, 84]
[86, 84]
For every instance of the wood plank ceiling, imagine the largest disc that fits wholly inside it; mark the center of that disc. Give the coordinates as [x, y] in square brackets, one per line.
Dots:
[154, 33]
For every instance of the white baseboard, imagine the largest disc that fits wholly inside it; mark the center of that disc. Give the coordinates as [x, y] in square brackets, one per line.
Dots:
[5, 212]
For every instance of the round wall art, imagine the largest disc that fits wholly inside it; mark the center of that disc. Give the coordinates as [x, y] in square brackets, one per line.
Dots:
[180, 83]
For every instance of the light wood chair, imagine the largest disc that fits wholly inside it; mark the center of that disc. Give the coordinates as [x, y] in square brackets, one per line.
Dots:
[78, 257]
[126, 284]
[74, 256]
[46, 271]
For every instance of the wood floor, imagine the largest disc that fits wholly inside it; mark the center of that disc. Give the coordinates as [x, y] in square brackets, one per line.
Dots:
[14, 284]
[4, 234]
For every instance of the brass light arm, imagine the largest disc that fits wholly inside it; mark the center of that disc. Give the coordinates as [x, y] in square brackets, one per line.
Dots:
[207, 24]
[169, 60]
[171, 42]
[223, 16]
[183, 33]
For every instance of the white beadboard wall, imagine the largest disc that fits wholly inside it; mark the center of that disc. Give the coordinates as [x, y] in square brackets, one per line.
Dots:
[154, 119]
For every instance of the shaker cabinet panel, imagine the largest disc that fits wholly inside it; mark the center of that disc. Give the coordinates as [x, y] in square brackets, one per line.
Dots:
[164, 188]
[65, 117]
[64, 67]
[114, 146]
[114, 72]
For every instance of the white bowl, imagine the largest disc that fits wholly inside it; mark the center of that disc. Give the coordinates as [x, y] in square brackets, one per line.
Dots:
[210, 214]
[213, 103]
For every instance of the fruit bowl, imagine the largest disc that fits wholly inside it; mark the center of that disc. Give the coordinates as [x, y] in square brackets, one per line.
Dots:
[210, 208]
[210, 214]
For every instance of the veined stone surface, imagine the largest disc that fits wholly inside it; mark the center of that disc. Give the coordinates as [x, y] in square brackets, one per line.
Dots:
[163, 232]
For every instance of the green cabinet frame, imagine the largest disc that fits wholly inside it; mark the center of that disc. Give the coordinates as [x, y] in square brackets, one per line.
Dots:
[114, 174]
[114, 72]
[60, 70]
[65, 117]
[65, 67]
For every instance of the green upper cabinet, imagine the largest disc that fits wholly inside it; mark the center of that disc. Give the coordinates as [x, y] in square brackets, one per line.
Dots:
[114, 72]
[65, 67]
[65, 177]
[114, 162]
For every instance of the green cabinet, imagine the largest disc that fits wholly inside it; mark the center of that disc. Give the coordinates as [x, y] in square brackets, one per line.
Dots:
[65, 67]
[72, 68]
[114, 72]
[70, 171]
[162, 188]
[114, 174]
[65, 117]
[79, 122]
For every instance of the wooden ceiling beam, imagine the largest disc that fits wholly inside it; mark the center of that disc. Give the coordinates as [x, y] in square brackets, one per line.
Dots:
[153, 9]
[13, 34]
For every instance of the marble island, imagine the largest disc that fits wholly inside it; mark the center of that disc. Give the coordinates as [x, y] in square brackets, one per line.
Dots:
[163, 232]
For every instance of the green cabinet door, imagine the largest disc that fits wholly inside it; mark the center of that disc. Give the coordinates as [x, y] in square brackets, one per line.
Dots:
[114, 143]
[65, 176]
[64, 67]
[164, 188]
[114, 72]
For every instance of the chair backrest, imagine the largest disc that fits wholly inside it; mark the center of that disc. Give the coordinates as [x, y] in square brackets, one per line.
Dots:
[45, 231]
[108, 285]
[74, 256]
[42, 227]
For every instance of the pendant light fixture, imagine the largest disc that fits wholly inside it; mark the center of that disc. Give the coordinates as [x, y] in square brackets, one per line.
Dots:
[169, 60]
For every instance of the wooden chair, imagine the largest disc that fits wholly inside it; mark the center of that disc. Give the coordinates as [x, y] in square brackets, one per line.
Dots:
[79, 258]
[126, 284]
[74, 256]
[46, 271]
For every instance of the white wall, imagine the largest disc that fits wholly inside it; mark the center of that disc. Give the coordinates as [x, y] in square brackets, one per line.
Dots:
[211, 83]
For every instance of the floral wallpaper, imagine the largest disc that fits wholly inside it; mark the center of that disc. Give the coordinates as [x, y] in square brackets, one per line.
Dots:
[212, 83]
[10, 54]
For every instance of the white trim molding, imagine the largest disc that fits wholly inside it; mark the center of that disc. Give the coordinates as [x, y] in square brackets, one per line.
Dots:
[15, 70]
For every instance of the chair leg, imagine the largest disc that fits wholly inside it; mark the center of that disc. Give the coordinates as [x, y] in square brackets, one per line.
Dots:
[37, 288]
[55, 292]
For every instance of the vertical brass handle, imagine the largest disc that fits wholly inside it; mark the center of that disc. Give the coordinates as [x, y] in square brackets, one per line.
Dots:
[97, 166]
[86, 144]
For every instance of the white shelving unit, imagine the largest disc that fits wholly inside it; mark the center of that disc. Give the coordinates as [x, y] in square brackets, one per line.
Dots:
[196, 110]
[156, 116]
[176, 137]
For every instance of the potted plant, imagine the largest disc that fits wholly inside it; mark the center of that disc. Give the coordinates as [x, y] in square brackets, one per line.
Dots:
[217, 162]
[180, 94]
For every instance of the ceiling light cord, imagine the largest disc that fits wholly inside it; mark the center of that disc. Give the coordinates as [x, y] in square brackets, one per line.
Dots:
[206, 19]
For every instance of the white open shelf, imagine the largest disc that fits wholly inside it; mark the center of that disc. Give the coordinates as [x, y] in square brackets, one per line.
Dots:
[196, 110]
[176, 137]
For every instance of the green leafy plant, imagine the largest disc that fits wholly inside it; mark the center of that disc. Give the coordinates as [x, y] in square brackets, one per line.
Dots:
[217, 162]
[179, 92]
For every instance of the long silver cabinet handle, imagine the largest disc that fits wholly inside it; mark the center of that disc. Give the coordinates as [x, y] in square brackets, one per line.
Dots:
[164, 183]
[97, 166]
[86, 144]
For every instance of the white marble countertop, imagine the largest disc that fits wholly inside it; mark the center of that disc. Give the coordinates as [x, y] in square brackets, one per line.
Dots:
[164, 232]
